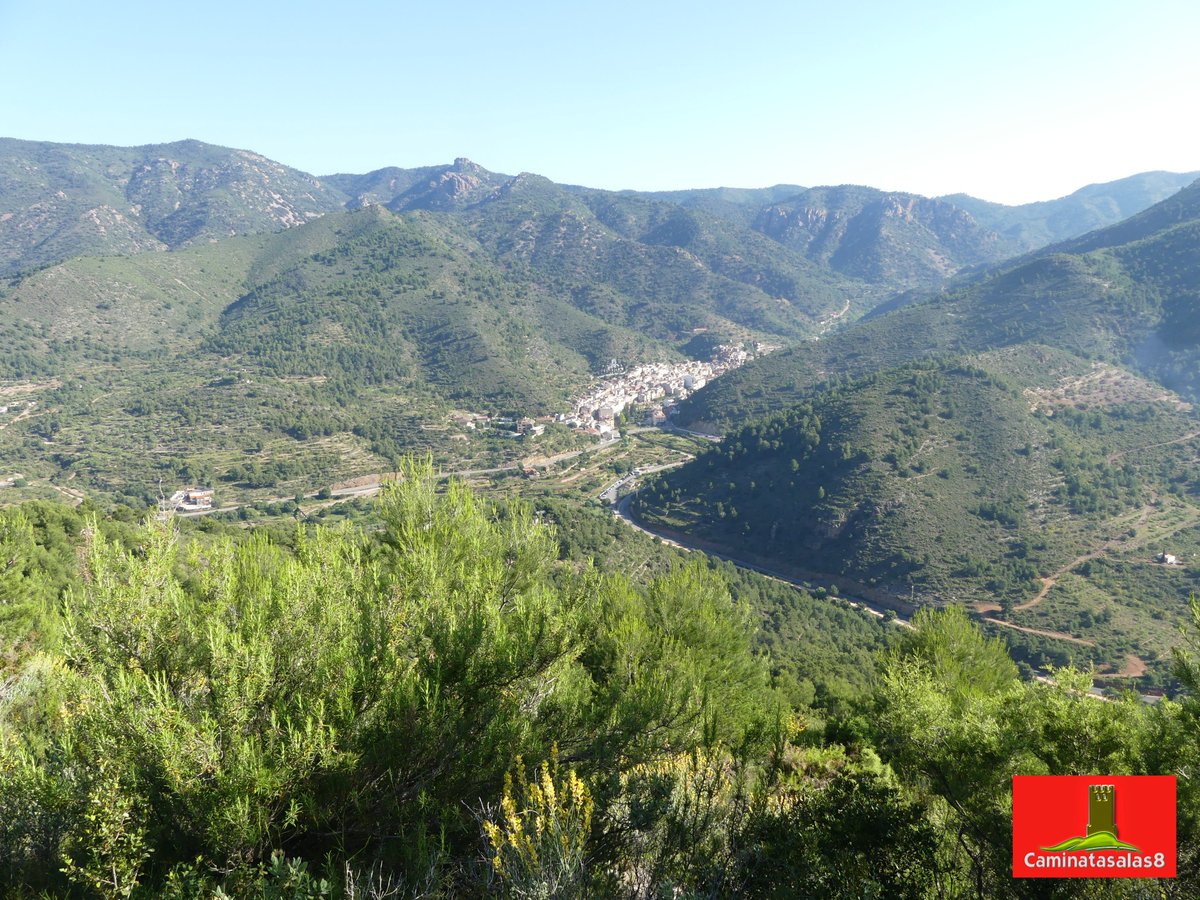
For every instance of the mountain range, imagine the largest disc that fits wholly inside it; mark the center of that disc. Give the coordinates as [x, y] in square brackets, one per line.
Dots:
[64, 200]
[969, 400]
[1125, 294]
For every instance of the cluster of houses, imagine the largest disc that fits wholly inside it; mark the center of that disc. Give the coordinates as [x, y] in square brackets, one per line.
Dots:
[656, 387]
[189, 500]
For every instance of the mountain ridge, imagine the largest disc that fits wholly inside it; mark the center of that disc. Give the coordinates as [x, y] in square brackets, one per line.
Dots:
[63, 200]
[1125, 294]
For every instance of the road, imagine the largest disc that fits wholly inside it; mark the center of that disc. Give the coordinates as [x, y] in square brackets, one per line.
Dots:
[609, 494]
[671, 427]
[621, 511]
[371, 484]
[1057, 635]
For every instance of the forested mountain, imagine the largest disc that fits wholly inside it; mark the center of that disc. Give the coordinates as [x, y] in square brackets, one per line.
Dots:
[900, 240]
[568, 274]
[1026, 458]
[453, 286]
[905, 240]
[409, 300]
[651, 264]
[64, 200]
[959, 481]
[1126, 294]
[366, 329]
[1033, 225]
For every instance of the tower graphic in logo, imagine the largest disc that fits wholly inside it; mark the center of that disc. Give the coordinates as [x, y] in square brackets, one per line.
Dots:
[1102, 809]
[1101, 825]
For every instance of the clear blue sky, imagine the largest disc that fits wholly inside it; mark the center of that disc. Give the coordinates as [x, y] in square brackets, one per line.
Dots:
[1010, 101]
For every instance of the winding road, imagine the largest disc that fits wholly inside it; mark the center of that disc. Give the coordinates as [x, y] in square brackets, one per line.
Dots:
[674, 539]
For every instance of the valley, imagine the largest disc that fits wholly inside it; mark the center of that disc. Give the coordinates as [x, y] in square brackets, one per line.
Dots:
[599, 452]
[501, 326]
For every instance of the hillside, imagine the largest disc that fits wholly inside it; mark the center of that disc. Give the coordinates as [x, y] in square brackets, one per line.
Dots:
[63, 200]
[650, 265]
[1125, 294]
[304, 357]
[579, 274]
[404, 301]
[1031, 226]
[630, 260]
[897, 239]
[965, 480]
[905, 240]
[322, 352]
[58, 201]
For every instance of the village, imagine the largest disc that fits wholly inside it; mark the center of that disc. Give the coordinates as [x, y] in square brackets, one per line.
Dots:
[657, 387]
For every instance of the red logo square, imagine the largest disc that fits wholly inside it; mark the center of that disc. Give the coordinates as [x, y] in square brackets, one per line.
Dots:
[1093, 826]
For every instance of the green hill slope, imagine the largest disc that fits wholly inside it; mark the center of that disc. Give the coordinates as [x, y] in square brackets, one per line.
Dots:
[1126, 294]
[1034, 225]
[965, 480]
[403, 301]
[63, 200]
[147, 305]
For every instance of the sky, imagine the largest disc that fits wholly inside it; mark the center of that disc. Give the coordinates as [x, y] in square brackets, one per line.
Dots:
[1012, 102]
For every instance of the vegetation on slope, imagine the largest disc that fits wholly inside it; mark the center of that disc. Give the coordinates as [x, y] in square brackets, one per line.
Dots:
[65, 200]
[363, 329]
[962, 480]
[1125, 294]
[368, 712]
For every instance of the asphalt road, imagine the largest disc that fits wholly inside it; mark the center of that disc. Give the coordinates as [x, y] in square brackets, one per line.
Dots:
[621, 511]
